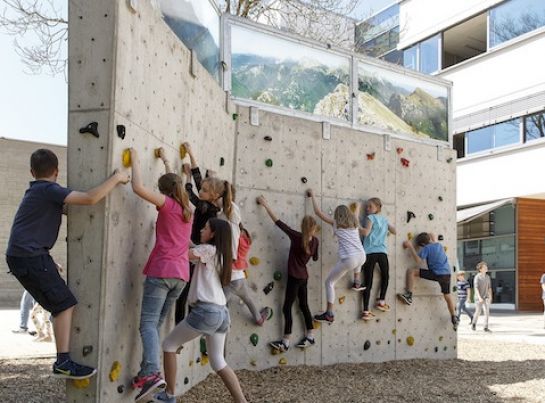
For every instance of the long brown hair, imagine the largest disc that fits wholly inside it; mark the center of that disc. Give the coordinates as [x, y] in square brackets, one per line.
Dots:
[308, 224]
[171, 185]
[224, 190]
[344, 218]
[222, 240]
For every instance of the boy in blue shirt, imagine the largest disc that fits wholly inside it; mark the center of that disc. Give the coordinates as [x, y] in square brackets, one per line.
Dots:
[34, 232]
[432, 253]
[462, 285]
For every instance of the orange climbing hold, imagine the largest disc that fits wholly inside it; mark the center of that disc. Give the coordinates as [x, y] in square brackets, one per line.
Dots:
[371, 156]
[342, 299]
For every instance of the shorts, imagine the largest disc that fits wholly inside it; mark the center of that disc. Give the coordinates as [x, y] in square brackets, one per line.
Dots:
[40, 277]
[209, 318]
[443, 280]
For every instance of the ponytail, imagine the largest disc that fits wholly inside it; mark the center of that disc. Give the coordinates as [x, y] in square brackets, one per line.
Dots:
[227, 197]
[222, 240]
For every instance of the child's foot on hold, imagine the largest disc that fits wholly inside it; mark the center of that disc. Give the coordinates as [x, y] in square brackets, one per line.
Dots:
[306, 342]
[367, 315]
[487, 330]
[382, 306]
[265, 312]
[325, 317]
[357, 287]
[406, 297]
[280, 345]
[455, 322]
[147, 385]
[72, 370]
[164, 397]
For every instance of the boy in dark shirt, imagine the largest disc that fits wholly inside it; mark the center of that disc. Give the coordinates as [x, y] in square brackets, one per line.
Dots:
[432, 253]
[34, 232]
[462, 285]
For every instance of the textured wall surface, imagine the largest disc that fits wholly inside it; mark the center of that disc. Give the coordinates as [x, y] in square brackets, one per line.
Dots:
[127, 68]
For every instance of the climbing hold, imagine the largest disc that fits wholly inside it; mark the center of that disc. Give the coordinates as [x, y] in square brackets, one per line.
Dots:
[190, 363]
[410, 236]
[436, 349]
[440, 198]
[254, 261]
[157, 152]
[222, 161]
[254, 339]
[274, 351]
[253, 362]
[394, 331]
[81, 383]
[399, 150]
[445, 348]
[410, 215]
[342, 299]
[270, 314]
[410, 340]
[388, 341]
[440, 338]
[453, 268]
[235, 116]
[430, 216]
[120, 131]
[121, 389]
[204, 360]
[186, 380]
[183, 151]
[269, 162]
[202, 346]
[399, 319]
[441, 238]
[115, 371]
[454, 288]
[445, 248]
[87, 350]
[126, 158]
[405, 162]
[316, 325]
[283, 361]
[378, 342]
[449, 160]
[179, 350]
[91, 128]
[267, 138]
[367, 345]
[353, 207]
[304, 180]
[268, 288]
[198, 360]
[277, 275]
[371, 156]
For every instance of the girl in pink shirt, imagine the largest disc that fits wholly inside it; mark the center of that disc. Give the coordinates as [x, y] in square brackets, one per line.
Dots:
[167, 269]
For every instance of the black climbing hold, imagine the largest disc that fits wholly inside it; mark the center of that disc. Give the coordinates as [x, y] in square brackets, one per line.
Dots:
[120, 131]
[449, 160]
[410, 215]
[440, 198]
[91, 128]
[441, 238]
[198, 360]
[269, 162]
[268, 288]
[121, 389]
[454, 268]
[267, 138]
[186, 380]
[304, 180]
[87, 350]
[222, 161]
[277, 275]
[430, 216]
[367, 345]
[436, 349]
[235, 116]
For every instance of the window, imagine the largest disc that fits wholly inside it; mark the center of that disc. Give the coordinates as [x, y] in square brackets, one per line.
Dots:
[499, 135]
[464, 41]
[379, 34]
[409, 58]
[534, 126]
[429, 55]
[480, 140]
[514, 18]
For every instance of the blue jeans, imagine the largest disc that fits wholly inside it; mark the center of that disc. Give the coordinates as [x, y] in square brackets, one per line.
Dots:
[462, 308]
[27, 302]
[209, 318]
[159, 296]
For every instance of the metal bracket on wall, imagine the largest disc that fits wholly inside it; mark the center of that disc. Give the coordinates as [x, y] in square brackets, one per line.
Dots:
[254, 116]
[326, 130]
[133, 5]
[194, 61]
[229, 105]
[387, 142]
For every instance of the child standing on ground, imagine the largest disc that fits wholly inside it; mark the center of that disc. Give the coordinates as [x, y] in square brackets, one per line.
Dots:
[303, 246]
[209, 315]
[34, 232]
[167, 269]
[483, 295]
[351, 253]
[25, 307]
[375, 232]
[432, 253]
[462, 285]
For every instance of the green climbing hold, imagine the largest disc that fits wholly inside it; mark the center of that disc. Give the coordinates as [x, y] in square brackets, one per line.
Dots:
[203, 346]
[367, 345]
[454, 288]
[235, 116]
[430, 216]
[277, 275]
[254, 339]
[440, 338]
[270, 313]
[269, 162]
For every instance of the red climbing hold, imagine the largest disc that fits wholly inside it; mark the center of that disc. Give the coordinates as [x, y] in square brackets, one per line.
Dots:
[405, 162]
[399, 150]
[371, 156]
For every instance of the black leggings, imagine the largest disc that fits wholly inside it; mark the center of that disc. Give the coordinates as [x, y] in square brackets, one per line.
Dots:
[368, 269]
[296, 288]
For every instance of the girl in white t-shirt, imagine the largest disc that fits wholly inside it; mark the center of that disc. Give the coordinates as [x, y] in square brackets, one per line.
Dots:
[209, 315]
[351, 253]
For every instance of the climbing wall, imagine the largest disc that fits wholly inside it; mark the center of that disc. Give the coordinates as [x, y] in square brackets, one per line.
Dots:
[134, 78]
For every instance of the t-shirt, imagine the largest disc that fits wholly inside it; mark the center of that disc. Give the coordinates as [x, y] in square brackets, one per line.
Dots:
[542, 281]
[482, 283]
[462, 287]
[298, 257]
[235, 232]
[349, 241]
[169, 258]
[435, 256]
[206, 284]
[243, 247]
[375, 242]
[36, 224]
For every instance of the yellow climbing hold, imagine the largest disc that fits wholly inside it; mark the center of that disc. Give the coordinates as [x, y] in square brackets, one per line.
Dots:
[190, 363]
[126, 158]
[183, 151]
[157, 152]
[204, 360]
[410, 340]
[254, 261]
[353, 206]
[445, 248]
[440, 338]
[283, 361]
[274, 351]
[410, 235]
[342, 299]
[81, 383]
[253, 362]
[316, 324]
[115, 371]
[394, 331]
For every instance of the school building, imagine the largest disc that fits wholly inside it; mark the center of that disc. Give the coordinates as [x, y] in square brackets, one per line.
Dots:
[492, 52]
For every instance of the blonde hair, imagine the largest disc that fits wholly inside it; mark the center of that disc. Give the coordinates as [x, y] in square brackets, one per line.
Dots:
[171, 185]
[461, 273]
[376, 202]
[480, 265]
[308, 224]
[344, 218]
[224, 190]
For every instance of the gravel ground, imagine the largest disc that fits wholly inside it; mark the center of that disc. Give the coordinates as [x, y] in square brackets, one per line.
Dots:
[485, 372]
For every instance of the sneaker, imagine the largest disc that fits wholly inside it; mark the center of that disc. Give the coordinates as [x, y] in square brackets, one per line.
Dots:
[455, 321]
[473, 327]
[21, 330]
[72, 370]
[305, 342]
[163, 397]
[32, 332]
[406, 297]
[324, 317]
[383, 307]
[279, 345]
[357, 287]
[147, 385]
[487, 330]
[265, 312]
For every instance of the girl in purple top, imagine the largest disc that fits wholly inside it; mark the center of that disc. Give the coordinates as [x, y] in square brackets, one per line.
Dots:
[304, 245]
[167, 269]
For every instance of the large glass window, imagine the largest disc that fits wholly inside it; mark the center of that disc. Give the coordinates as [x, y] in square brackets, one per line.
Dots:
[534, 126]
[514, 18]
[429, 54]
[507, 133]
[410, 58]
[499, 135]
[480, 140]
